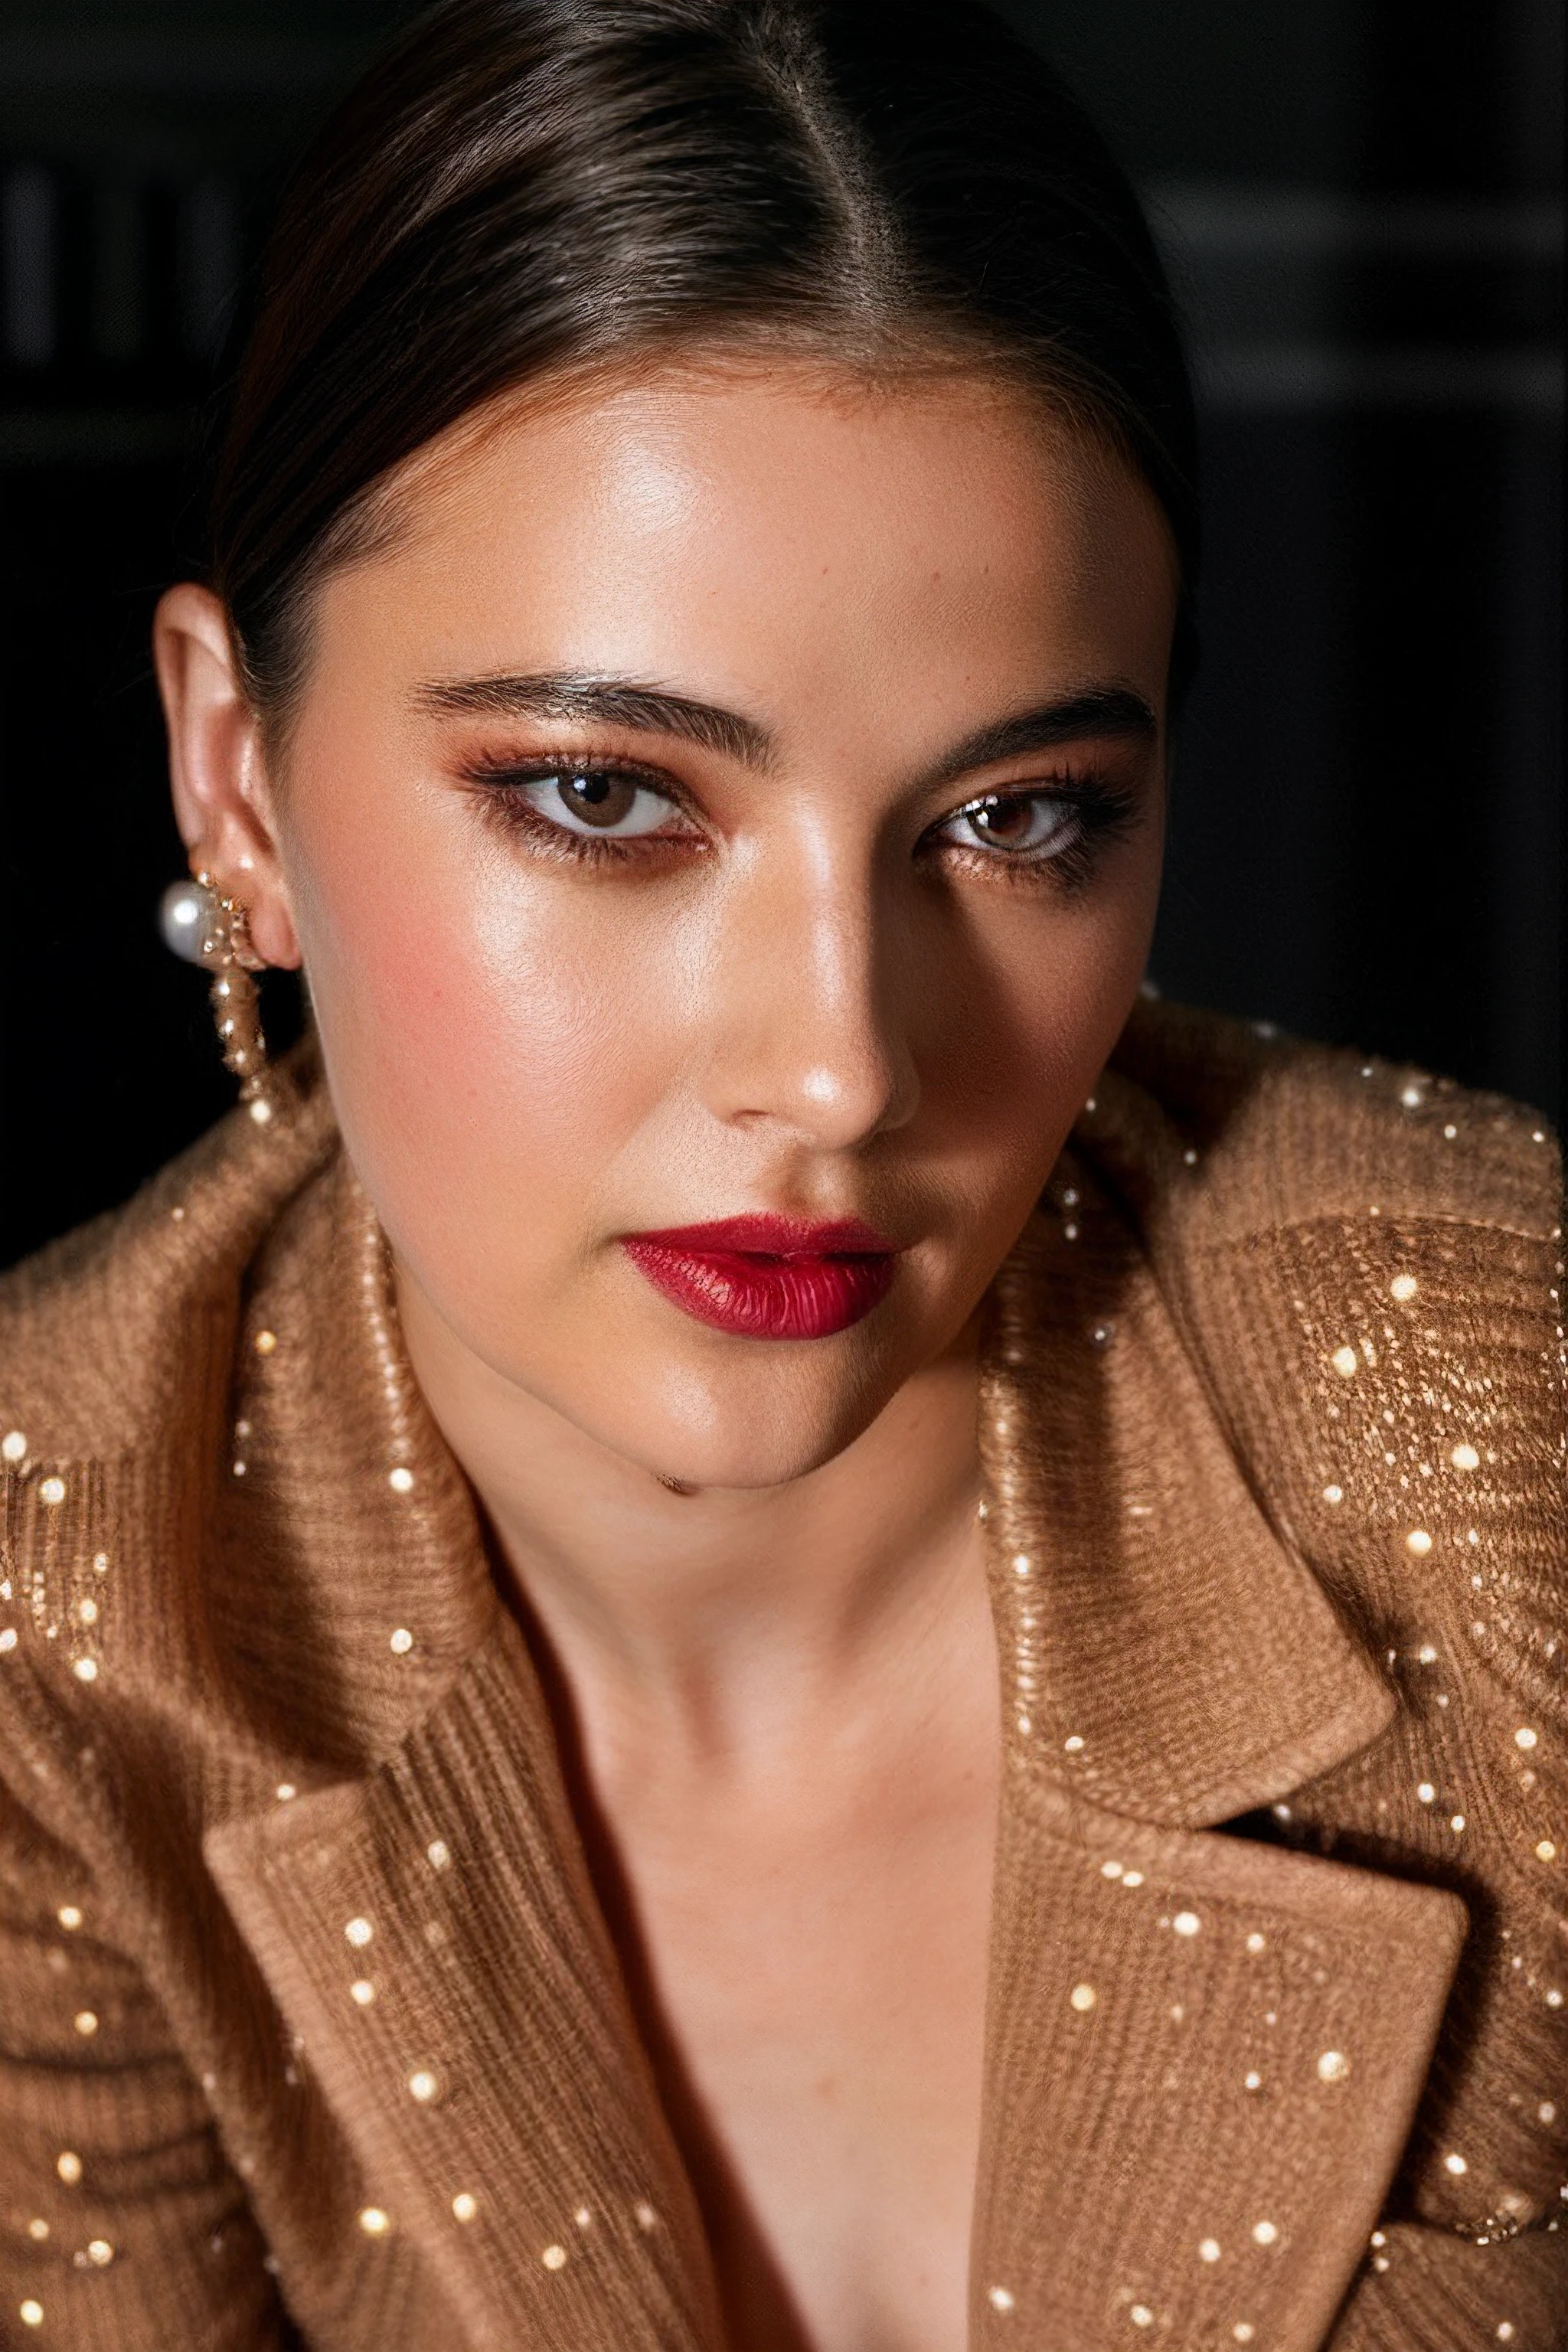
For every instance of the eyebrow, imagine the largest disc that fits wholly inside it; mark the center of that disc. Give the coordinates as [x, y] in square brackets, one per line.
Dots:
[1103, 711]
[612, 701]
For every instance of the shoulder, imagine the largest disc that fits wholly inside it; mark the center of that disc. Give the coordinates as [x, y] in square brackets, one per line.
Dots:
[99, 1330]
[116, 1354]
[1272, 1131]
[1366, 1263]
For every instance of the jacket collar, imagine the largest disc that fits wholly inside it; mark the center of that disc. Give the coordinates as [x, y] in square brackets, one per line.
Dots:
[1166, 1652]
[1168, 1663]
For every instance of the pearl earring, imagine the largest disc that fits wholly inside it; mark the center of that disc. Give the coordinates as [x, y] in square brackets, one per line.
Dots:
[204, 927]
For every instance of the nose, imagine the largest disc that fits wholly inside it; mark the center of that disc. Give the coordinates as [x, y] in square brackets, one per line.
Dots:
[809, 1015]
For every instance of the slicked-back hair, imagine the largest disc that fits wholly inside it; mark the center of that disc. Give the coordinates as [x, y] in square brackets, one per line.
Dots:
[523, 188]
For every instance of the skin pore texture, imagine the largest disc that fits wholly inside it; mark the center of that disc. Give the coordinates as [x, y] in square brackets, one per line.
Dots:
[788, 977]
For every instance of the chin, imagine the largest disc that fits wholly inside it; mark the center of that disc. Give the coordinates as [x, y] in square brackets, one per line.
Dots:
[748, 1432]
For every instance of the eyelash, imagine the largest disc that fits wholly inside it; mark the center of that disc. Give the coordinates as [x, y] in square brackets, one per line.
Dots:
[1104, 812]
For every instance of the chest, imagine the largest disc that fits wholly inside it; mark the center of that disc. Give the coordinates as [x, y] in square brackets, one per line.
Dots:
[814, 1990]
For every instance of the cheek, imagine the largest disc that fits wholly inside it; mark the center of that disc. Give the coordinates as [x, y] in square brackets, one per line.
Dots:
[1033, 1003]
[484, 1049]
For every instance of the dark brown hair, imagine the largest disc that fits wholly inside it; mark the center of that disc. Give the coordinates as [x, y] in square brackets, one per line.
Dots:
[525, 187]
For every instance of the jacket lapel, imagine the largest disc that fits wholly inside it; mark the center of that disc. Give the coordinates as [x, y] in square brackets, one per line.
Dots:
[431, 1938]
[1197, 2043]
[1203, 2060]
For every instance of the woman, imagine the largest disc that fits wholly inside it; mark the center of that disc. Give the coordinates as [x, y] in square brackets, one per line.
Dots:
[509, 1835]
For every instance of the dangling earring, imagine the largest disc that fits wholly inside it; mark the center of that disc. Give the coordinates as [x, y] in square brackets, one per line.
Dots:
[204, 927]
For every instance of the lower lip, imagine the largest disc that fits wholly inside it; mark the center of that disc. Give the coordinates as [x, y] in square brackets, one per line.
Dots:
[759, 1296]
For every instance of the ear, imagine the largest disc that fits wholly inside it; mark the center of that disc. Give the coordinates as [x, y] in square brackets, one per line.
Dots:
[224, 802]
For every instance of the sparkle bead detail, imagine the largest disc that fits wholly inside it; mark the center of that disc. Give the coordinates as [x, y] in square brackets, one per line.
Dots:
[1465, 1457]
[86, 2023]
[68, 2164]
[1000, 2300]
[1083, 1998]
[1524, 1737]
[86, 1670]
[402, 1641]
[13, 1446]
[99, 2253]
[1264, 2233]
[1455, 2164]
[30, 2313]
[1404, 1287]
[362, 1992]
[464, 2206]
[374, 2221]
[1546, 1851]
[70, 1918]
[359, 1933]
[1208, 2249]
[400, 1480]
[1419, 1542]
[1345, 1363]
[438, 1855]
[1141, 2315]
[265, 1342]
[553, 2258]
[1333, 2066]
[1186, 1923]
[423, 2085]
[51, 1491]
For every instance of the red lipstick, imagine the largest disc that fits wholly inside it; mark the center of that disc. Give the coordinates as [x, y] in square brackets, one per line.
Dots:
[769, 1278]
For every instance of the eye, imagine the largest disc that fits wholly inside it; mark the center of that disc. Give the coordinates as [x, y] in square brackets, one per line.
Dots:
[1038, 824]
[598, 801]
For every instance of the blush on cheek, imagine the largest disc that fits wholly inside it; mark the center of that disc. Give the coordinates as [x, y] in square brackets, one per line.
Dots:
[487, 1067]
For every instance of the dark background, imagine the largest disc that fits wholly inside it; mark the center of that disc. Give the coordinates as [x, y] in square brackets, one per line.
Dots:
[1361, 204]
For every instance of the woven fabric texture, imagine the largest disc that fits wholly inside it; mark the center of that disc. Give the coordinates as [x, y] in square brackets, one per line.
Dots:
[310, 2030]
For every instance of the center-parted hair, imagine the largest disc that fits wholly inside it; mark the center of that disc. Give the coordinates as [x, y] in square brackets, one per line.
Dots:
[524, 187]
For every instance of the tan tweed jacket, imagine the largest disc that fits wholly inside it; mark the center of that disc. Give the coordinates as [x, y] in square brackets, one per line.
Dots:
[312, 2031]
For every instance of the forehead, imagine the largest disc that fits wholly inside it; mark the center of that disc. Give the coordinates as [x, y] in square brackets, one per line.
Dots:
[767, 530]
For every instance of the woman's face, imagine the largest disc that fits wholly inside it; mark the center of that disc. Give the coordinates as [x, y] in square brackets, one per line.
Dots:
[728, 796]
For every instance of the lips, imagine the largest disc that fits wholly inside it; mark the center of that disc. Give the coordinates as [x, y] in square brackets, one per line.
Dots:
[767, 1278]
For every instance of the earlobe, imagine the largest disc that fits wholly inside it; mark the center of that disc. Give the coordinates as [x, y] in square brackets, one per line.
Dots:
[217, 770]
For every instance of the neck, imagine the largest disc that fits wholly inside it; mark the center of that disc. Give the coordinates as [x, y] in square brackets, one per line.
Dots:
[724, 1620]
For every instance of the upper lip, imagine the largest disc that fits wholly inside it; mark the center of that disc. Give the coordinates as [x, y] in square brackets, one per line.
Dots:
[764, 1235]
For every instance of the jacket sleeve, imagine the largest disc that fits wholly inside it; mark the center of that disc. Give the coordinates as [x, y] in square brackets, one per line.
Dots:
[121, 2226]
[1427, 2291]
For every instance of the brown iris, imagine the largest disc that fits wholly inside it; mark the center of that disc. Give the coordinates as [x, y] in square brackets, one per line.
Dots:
[596, 796]
[1007, 824]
